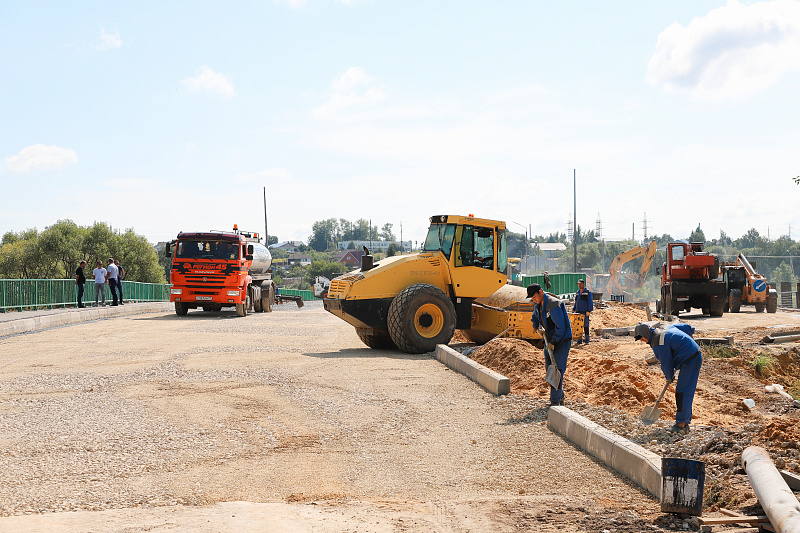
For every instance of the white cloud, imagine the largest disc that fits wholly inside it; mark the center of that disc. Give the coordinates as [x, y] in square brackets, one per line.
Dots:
[352, 90]
[729, 53]
[109, 40]
[209, 81]
[41, 157]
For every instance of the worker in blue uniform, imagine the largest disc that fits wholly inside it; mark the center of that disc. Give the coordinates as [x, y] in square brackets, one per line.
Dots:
[583, 305]
[550, 314]
[676, 350]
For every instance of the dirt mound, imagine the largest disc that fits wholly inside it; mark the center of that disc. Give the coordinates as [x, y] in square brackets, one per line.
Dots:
[505, 295]
[616, 315]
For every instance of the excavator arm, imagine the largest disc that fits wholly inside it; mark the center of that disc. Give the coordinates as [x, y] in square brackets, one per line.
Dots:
[615, 270]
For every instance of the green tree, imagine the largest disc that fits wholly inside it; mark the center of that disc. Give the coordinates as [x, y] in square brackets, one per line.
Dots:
[783, 272]
[391, 250]
[697, 235]
[329, 269]
[386, 233]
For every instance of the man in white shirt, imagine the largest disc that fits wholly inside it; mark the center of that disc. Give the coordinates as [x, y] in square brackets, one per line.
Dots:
[100, 274]
[112, 279]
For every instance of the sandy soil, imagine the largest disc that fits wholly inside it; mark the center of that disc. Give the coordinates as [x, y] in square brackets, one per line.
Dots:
[613, 372]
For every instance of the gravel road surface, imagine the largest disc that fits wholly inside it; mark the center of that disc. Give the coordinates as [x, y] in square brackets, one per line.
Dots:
[280, 421]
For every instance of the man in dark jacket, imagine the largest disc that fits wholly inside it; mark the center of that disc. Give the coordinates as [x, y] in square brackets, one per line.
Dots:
[583, 305]
[550, 314]
[676, 350]
[80, 281]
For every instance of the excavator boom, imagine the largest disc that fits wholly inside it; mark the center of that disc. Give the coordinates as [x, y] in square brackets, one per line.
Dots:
[615, 270]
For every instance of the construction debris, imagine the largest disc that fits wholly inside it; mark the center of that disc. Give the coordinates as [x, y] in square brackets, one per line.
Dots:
[778, 389]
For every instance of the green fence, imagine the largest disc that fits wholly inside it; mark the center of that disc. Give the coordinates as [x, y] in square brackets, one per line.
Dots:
[305, 295]
[564, 283]
[22, 294]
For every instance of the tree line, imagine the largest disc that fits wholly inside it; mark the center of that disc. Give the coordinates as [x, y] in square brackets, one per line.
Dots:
[326, 233]
[56, 252]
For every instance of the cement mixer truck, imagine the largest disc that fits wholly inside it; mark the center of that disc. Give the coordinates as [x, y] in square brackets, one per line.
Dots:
[219, 269]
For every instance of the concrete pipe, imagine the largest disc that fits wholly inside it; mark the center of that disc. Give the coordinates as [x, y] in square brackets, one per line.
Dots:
[779, 503]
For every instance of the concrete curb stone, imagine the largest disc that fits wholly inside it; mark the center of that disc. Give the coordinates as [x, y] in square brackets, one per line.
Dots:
[487, 378]
[50, 320]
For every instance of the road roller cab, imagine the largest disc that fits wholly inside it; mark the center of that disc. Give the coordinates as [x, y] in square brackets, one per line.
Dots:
[415, 302]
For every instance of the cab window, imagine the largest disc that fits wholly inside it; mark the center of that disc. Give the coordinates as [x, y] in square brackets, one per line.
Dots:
[440, 238]
[677, 253]
[502, 253]
[484, 248]
[465, 244]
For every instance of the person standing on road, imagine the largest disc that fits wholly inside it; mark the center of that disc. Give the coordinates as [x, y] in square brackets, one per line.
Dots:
[100, 274]
[112, 280]
[676, 350]
[583, 305]
[550, 314]
[80, 281]
[120, 275]
[546, 278]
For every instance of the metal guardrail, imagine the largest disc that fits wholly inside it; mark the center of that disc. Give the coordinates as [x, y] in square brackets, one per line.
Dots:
[20, 294]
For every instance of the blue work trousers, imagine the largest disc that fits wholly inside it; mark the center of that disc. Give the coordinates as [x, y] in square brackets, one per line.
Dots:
[684, 390]
[560, 360]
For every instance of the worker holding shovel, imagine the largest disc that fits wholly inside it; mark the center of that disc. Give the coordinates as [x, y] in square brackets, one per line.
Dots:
[676, 350]
[550, 314]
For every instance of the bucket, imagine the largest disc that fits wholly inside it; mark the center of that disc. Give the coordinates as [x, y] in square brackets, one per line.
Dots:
[682, 483]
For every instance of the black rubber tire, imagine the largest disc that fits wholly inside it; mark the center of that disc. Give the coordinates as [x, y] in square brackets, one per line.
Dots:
[760, 307]
[717, 306]
[706, 310]
[257, 304]
[241, 309]
[420, 317]
[181, 309]
[772, 302]
[735, 298]
[376, 339]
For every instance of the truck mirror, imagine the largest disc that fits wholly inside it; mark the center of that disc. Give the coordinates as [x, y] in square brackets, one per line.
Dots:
[250, 249]
[168, 250]
[249, 257]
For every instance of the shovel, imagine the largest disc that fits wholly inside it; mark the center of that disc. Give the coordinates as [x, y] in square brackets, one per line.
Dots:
[651, 414]
[553, 375]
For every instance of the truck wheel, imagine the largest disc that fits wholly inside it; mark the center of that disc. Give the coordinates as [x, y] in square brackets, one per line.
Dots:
[735, 300]
[181, 309]
[706, 310]
[420, 317]
[241, 309]
[717, 306]
[760, 307]
[267, 299]
[376, 339]
[772, 301]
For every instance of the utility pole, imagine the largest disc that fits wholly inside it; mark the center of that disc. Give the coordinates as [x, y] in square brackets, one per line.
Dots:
[266, 231]
[575, 221]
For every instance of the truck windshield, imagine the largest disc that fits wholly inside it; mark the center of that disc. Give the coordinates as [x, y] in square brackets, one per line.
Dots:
[440, 238]
[197, 249]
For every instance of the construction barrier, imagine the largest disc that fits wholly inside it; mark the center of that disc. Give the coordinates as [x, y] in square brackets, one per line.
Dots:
[562, 283]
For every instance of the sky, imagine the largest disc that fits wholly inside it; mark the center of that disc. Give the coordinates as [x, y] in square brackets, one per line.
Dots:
[175, 116]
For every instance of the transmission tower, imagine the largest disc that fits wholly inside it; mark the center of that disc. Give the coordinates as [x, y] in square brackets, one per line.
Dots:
[569, 227]
[644, 226]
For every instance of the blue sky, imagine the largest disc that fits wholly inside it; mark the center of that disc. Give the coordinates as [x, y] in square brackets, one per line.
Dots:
[172, 116]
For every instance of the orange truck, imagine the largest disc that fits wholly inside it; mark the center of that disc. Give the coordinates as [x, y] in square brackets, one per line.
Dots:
[217, 269]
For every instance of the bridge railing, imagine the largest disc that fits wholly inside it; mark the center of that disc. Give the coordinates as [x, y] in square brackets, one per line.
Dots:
[20, 294]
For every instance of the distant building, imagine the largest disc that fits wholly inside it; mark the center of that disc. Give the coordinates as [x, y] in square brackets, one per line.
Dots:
[300, 258]
[550, 248]
[374, 246]
[351, 258]
[289, 246]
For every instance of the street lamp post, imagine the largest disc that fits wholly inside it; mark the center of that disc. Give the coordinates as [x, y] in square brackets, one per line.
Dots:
[525, 252]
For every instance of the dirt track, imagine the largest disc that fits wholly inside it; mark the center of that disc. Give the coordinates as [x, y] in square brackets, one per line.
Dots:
[155, 422]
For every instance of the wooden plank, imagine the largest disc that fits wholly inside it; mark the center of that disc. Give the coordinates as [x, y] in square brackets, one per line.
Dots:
[739, 519]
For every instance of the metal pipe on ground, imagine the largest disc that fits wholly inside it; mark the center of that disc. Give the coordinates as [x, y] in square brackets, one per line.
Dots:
[776, 498]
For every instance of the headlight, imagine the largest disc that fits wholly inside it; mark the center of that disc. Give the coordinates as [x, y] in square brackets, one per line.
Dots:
[176, 291]
[233, 293]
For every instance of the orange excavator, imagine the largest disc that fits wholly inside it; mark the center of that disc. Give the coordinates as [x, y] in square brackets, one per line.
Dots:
[633, 281]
